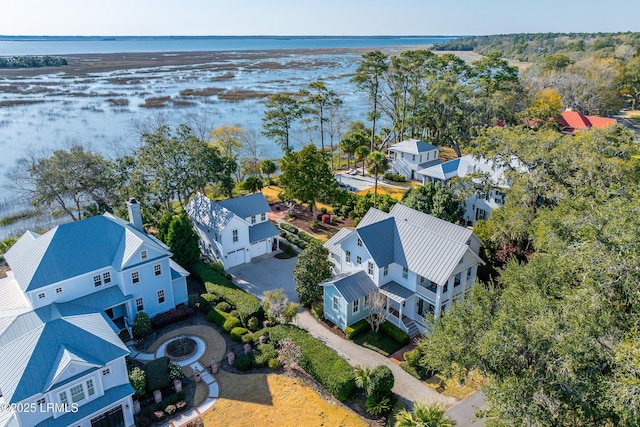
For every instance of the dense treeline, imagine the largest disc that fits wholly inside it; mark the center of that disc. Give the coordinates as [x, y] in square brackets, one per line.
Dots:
[32, 61]
[529, 47]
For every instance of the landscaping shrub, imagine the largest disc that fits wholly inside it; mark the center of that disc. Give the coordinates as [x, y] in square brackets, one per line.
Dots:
[323, 210]
[317, 309]
[157, 374]
[234, 313]
[264, 353]
[217, 317]
[308, 237]
[319, 361]
[223, 306]
[237, 333]
[274, 364]
[290, 228]
[206, 301]
[141, 325]
[412, 364]
[381, 381]
[253, 323]
[395, 333]
[358, 327]
[377, 405]
[138, 381]
[174, 315]
[175, 371]
[248, 338]
[314, 225]
[230, 323]
[242, 362]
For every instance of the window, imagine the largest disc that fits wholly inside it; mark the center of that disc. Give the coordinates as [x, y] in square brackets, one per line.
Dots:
[59, 290]
[97, 280]
[157, 270]
[106, 277]
[370, 268]
[358, 260]
[41, 295]
[422, 280]
[160, 296]
[480, 214]
[360, 242]
[347, 256]
[469, 271]
[366, 300]
[77, 393]
[405, 272]
[386, 270]
[445, 288]
[456, 280]
[106, 371]
[336, 303]
[135, 277]
[235, 235]
[41, 402]
[63, 398]
[263, 217]
[356, 306]
[143, 254]
[413, 157]
[253, 219]
[90, 389]
[139, 304]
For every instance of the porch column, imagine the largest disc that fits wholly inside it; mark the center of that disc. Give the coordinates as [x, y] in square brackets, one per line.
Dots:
[436, 311]
[401, 304]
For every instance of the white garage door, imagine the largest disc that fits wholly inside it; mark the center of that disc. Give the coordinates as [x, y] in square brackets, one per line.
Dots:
[259, 248]
[234, 258]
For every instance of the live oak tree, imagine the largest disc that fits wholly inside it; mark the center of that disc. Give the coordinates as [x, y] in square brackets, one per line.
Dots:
[282, 110]
[435, 199]
[313, 267]
[306, 176]
[352, 140]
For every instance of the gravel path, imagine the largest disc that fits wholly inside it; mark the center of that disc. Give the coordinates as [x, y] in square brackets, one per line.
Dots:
[406, 387]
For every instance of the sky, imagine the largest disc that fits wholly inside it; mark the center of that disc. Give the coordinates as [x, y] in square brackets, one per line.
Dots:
[314, 17]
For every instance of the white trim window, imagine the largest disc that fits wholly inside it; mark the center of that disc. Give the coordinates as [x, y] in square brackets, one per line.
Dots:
[263, 216]
[97, 280]
[157, 270]
[42, 295]
[347, 256]
[59, 290]
[359, 242]
[336, 303]
[405, 272]
[253, 219]
[135, 277]
[139, 304]
[358, 260]
[370, 268]
[106, 371]
[106, 277]
[77, 393]
[234, 233]
[356, 306]
[143, 255]
[91, 390]
[41, 402]
[385, 272]
[161, 298]
[64, 400]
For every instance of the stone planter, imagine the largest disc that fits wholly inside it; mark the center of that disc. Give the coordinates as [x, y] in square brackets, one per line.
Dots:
[177, 385]
[196, 376]
[214, 366]
[247, 348]
[157, 396]
[231, 357]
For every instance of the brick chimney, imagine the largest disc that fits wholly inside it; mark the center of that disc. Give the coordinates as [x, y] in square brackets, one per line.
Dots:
[135, 218]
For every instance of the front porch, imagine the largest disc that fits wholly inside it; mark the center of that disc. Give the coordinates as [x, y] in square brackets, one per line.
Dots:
[397, 312]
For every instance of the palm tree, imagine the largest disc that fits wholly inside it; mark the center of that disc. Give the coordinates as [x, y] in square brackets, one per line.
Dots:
[432, 415]
[362, 376]
[361, 155]
[378, 163]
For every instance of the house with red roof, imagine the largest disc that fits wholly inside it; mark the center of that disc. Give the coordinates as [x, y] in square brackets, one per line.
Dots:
[573, 121]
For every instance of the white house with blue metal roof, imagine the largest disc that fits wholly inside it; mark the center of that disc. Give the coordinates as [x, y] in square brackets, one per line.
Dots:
[410, 156]
[420, 263]
[65, 298]
[233, 231]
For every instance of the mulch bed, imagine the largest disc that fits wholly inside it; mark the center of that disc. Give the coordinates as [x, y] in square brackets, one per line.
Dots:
[304, 217]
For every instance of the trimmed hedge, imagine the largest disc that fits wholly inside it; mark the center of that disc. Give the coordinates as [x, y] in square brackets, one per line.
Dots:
[231, 323]
[321, 362]
[157, 372]
[242, 362]
[308, 237]
[217, 317]
[216, 284]
[206, 302]
[395, 333]
[290, 228]
[174, 315]
[263, 354]
[223, 306]
[237, 333]
[356, 328]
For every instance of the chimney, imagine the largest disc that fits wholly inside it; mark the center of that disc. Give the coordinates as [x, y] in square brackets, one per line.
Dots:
[135, 218]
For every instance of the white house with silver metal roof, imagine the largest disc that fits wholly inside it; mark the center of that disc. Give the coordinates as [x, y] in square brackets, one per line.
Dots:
[68, 294]
[420, 263]
[233, 231]
[410, 156]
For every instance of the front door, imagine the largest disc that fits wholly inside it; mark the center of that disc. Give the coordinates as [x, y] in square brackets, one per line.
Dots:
[420, 308]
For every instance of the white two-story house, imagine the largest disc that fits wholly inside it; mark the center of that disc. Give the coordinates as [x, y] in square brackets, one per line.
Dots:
[233, 231]
[410, 156]
[68, 293]
[489, 182]
[420, 263]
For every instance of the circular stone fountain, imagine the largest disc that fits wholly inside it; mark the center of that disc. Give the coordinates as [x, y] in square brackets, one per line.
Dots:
[181, 348]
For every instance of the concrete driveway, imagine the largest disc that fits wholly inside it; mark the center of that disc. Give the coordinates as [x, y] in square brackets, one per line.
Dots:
[266, 273]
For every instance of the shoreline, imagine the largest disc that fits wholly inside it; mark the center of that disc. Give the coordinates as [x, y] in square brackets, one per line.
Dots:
[83, 64]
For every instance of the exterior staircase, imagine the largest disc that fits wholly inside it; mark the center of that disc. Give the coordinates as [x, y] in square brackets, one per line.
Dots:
[401, 167]
[411, 326]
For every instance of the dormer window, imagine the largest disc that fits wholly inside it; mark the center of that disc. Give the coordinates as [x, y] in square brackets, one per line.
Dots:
[97, 280]
[42, 295]
[253, 219]
[143, 254]
[106, 277]
[263, 217]
[59, 290]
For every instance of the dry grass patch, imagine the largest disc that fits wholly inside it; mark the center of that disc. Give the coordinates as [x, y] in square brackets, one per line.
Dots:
[274, 400]
[396, 193]
[271, 194]
[453, 389]
[447, 153]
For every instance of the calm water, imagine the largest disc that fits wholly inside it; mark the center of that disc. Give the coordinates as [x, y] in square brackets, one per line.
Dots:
[77, 45]
[104, 110]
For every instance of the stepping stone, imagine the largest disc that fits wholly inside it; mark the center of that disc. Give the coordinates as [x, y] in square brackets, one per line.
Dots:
[214, 390]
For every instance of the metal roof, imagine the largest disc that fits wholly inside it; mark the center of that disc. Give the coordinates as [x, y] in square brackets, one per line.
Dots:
[468, 165]
[396, 291]
[110, 396]
[205, 212]
[31, 344]
[430, 223]
[333, 244]
[73, 249]
[247, 206]
[103, 299]
[379, 239]
[13, 300]
[352, 285]
[413, 146]
[262, 231]
[176, 270]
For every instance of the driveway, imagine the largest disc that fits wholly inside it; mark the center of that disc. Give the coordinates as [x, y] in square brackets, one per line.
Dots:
[266, 273]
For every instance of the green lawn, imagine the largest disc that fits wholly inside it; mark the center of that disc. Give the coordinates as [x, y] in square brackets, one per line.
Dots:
[377, 341]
